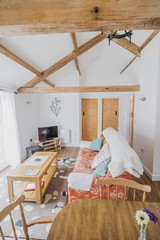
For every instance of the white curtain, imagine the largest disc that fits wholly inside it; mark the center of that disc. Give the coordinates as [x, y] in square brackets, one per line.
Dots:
[10, 129]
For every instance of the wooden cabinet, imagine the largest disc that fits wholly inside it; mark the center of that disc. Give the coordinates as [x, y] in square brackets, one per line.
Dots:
[51, 145]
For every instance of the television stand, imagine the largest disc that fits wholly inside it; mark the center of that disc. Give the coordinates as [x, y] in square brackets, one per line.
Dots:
[50, 145]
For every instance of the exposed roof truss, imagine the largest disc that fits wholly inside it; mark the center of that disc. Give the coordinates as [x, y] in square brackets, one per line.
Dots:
[41, 76]
[77, 52]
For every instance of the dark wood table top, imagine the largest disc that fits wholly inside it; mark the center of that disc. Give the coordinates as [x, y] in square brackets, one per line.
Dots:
[93, 219]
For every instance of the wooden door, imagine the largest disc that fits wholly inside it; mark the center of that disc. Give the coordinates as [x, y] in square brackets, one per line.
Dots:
[110, 109]
[89, 119]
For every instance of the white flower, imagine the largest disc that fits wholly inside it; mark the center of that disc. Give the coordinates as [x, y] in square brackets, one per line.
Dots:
[142, 217]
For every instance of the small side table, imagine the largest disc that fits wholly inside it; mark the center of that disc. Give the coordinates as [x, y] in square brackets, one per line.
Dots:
[32, 149]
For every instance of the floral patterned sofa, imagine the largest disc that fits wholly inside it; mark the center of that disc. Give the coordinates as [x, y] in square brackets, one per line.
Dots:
[83, 165]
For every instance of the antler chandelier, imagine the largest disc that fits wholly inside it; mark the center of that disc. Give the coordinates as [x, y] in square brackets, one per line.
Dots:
[119, 36]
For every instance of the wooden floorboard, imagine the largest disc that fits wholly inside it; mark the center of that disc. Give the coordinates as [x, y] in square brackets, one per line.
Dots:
[70, 152]
[154, 196]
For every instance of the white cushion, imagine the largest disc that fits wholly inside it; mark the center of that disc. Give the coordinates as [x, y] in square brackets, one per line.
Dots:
[85, 144]
[103, 155]
[124, 158]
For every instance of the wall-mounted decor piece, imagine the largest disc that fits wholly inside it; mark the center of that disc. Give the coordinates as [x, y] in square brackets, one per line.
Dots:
[55, 106]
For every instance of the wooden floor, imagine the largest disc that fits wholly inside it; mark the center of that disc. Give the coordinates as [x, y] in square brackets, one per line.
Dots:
[154, 196]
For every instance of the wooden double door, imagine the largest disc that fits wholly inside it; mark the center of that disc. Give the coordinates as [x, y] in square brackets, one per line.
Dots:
[110, 109]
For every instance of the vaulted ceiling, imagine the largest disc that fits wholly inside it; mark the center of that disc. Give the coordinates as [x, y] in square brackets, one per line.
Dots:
[29, 61]
[40, 52]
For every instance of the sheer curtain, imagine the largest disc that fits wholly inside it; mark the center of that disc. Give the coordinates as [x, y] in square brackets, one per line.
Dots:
[12, 148]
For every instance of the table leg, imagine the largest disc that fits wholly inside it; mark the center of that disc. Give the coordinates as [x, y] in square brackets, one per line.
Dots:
[38, 191]
[10, 190]
[56, 163]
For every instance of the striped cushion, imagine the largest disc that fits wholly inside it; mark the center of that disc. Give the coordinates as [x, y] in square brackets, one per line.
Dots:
[102, 156]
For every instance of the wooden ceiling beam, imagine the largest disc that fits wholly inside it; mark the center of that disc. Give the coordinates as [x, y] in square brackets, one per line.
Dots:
[18, 60]
[125, 43]
[129, 88]
[79, 50]
[48, 82]
[91, 43]
[64, 61]
[75, 45]
[153, 34]
[46, 16]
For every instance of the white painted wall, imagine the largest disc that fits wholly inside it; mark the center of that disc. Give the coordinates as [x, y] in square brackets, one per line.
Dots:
[156, 163]
[145, 71]
[26, 110]
[68, 117]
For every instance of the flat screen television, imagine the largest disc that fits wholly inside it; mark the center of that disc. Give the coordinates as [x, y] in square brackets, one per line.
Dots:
[46, 133]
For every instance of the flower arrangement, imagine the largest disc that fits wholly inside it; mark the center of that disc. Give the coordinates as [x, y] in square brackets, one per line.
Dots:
[143, 218]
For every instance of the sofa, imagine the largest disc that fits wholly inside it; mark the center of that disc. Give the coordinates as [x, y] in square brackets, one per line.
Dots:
[124, 164]
[83, 165]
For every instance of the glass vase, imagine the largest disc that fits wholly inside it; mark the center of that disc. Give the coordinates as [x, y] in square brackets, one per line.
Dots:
[142, 235]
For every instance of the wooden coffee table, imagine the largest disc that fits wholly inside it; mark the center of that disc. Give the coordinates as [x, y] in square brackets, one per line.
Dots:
[46, 172]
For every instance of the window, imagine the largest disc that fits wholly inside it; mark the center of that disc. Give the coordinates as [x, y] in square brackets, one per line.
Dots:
[3, 162]
[10, 152]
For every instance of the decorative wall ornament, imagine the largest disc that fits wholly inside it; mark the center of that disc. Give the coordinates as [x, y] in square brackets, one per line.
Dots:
[55, 106]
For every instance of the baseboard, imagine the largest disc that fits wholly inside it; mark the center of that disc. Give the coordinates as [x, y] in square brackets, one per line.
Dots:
[150, 175]
[155, 177]
[69, 145]
[147, 171]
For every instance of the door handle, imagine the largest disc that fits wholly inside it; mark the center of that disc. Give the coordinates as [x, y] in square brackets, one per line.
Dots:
[115, 112]
[83, 113]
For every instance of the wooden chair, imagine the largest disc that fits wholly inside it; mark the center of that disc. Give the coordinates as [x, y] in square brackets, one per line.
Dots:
[7, 211]
[125, 183]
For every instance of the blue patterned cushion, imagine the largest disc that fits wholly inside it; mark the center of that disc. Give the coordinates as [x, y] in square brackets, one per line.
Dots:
[102, 169]
[96, 144]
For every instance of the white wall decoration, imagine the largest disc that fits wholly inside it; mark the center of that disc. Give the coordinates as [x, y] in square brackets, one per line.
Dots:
[55, 106]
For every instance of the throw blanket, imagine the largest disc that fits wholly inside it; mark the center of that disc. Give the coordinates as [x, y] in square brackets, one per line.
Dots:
[81, 181]
[124, 158]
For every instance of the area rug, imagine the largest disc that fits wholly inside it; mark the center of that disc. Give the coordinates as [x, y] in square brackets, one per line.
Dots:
[53, 202]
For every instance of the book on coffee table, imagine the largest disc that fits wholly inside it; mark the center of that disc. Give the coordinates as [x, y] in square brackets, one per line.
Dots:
[36, 161]
[31, 172]
[31, 186]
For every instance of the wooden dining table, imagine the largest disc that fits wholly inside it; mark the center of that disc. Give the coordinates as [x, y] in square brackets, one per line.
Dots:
[94, 219]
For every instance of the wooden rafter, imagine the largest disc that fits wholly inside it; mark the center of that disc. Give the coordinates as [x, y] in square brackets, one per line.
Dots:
[85, 47]
[153, 34]
[50, 70]
[81, 89]
[74, 41]
[48, 82]
[17, 59]
[125, 43]
[79, 50]
[46, 16]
